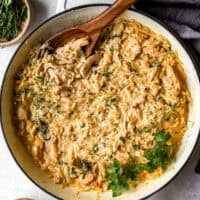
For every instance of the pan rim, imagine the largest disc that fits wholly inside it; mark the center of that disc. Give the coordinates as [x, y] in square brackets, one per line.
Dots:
[185, 47]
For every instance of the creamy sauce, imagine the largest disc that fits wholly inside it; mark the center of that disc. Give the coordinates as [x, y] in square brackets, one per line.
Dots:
[77, 114]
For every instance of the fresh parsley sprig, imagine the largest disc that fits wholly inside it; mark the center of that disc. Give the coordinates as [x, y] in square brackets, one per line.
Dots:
[119, 181]
[159, 156]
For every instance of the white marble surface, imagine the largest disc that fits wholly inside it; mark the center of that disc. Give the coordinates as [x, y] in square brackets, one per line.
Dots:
[14, 184]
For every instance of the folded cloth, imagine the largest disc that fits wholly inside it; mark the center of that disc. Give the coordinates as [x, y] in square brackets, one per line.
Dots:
[183, 16]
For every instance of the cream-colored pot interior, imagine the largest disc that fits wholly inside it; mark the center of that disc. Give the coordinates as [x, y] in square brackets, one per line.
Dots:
[23, 159]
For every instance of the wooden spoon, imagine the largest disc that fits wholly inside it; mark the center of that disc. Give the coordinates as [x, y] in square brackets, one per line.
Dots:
[92, 29]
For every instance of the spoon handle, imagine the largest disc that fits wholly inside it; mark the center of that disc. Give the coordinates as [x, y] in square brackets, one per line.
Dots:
[107, 16]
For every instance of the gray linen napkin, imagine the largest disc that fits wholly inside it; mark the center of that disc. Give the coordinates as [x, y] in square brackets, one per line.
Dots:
[181, 15]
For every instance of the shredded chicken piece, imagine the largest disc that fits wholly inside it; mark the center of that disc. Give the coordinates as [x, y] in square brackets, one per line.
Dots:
[85, 68]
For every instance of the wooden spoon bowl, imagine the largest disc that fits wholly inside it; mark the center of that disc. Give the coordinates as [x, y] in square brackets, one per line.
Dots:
[92, 29]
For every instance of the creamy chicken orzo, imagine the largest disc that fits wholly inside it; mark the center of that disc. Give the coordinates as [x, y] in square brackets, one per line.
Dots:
[108, 121]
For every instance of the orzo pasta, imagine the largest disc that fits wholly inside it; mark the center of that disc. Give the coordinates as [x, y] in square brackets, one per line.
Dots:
[109, 120]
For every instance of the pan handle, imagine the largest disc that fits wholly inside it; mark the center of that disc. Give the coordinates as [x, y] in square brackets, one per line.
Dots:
[197, 168]
[61, 5]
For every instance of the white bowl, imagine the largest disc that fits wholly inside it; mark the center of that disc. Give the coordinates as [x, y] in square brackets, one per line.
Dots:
[67, 19]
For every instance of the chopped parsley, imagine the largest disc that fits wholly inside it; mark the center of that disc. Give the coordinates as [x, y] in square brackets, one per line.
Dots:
[107, 74]
[61, 162]
[104, 144]
[82, 125]
[112, 49]
[12, 14]
[155, 63]
[37, 100]
[166, 116]
[115, 36]
[120, 57]
[85, 166]
[47, 138]
[42, 126]
[39, 79]
[136, 146]
[134, 71]
[122, 139]
[95, 148]
[146, 129]
[27, 90]
[162, 137]
[72, 173]
[126, 124]
[150, 112]
[119, 181]
[18, 77]
[128, 63]
[159, 155]
[111, 102]
[119, 176]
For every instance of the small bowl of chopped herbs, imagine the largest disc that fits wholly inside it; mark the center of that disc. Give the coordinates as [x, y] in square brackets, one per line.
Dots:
[14, 20]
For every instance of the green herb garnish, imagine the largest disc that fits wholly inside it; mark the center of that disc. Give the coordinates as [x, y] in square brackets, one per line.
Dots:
[47, 138]
[162, 137]
[39, 79]
[119, 181]
[83, 125]
[37, 100]
[166, 116]
[120, 57]
[134, 71]
[159, 155]
[112, 49]
[119, 176]
[107, 74]
[18, 77]
[123, 140]
[155, 64]
[42, 126]
[85, 165]
[114, 36]
[95, 148]
[61, 162]
[150, 112]
[111, 102]
[72, 173]
[27, 90]
[12, 14]
[136, 146]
